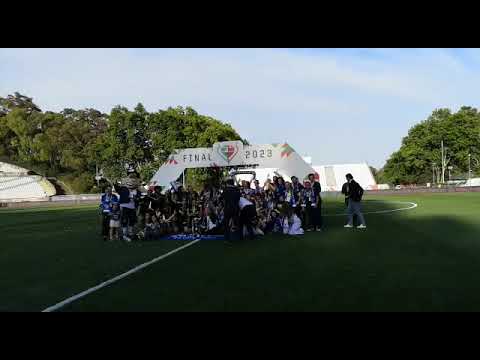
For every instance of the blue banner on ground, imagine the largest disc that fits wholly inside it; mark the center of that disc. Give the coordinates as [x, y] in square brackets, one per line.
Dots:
[190, 237]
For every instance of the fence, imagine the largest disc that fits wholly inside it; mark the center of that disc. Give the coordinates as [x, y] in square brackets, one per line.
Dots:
[87, 199]
[420, 190]
[59, 200]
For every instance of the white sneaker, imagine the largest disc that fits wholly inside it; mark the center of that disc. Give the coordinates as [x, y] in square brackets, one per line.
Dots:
[348, 226]
[127, 239]
[361, 226]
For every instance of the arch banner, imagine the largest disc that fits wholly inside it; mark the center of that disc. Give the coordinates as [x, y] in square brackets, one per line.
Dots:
[231, 154]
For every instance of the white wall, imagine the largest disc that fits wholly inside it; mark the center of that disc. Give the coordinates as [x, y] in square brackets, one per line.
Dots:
[360, 172]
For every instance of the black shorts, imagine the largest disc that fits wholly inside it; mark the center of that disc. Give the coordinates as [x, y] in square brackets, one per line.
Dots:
[129, 217]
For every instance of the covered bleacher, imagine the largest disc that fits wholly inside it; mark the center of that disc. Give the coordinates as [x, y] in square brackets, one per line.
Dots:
[17, 185]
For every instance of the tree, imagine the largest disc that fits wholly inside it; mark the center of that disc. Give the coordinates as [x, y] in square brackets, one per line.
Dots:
[421, 148]
[143, 140]
[125, 143]
[72, 143]
[17, 101]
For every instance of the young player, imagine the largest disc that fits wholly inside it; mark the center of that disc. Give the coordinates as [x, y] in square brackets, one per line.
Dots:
[115, 222]
[106, 204]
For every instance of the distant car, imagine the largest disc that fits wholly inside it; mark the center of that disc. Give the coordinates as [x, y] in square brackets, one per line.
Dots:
[398, 187]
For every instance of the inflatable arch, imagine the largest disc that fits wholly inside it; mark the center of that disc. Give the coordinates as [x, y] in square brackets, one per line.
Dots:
[233, 154]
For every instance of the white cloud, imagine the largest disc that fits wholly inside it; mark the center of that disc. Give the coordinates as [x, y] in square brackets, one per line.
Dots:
[331, 92]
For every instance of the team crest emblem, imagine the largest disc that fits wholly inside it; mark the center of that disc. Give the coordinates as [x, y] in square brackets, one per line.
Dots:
[228, 151]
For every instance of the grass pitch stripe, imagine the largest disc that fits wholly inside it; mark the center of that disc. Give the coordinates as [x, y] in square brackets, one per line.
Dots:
[116, 278]
[412, 206]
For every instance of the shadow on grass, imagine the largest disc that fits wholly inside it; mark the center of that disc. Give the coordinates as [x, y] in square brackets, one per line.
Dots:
[402, 262]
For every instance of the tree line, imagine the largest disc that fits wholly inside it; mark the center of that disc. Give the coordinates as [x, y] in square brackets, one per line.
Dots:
[419, 158]
[72, 145]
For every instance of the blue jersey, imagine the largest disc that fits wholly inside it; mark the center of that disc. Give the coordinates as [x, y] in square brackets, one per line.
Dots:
[291, 197]
[107, 202]
[280, 192]
[258, 190]
[277, 227]
[310, 197]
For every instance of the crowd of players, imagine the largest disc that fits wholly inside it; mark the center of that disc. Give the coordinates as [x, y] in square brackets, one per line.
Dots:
[235, 210]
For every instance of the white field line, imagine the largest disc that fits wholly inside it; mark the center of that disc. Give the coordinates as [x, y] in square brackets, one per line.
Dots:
[412, 206]
[116, 278]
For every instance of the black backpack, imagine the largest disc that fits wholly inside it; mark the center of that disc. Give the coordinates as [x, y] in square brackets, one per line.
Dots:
[357, 192]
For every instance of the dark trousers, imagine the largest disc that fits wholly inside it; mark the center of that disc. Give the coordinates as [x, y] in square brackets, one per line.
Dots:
[247, 215]
[228, 218]
[129, 217]
[315, 217]
[105, 224]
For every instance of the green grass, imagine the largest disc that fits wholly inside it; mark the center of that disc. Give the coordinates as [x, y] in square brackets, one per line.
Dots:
[424, 259]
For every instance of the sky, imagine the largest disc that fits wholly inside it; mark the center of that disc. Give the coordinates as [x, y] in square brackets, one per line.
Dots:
[335, 105]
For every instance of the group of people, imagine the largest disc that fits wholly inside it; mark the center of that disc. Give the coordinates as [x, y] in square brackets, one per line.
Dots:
[235, 210]
[277, 206]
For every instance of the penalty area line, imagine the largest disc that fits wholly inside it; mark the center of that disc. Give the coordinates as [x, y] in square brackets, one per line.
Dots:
[116, 278]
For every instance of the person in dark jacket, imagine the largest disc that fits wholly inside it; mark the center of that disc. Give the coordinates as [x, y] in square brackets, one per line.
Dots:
[344, 192]
[316, 208]
[129, 199]
[354, 193]
[297, 194]
[157, 199]
[230, 198]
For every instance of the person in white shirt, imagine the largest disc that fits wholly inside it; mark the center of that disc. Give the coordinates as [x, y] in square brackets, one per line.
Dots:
[292, 225]
[248, 214]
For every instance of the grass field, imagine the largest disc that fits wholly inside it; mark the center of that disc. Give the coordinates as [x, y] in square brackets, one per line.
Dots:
[423, 259]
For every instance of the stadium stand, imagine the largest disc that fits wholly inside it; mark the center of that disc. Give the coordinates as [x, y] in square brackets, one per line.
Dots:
[17, 185]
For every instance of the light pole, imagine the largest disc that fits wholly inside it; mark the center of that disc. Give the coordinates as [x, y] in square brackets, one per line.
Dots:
[443, 165]
[469, 168]
[433, 173]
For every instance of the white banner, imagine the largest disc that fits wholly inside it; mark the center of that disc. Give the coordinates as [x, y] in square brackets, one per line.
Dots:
[233, 153]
